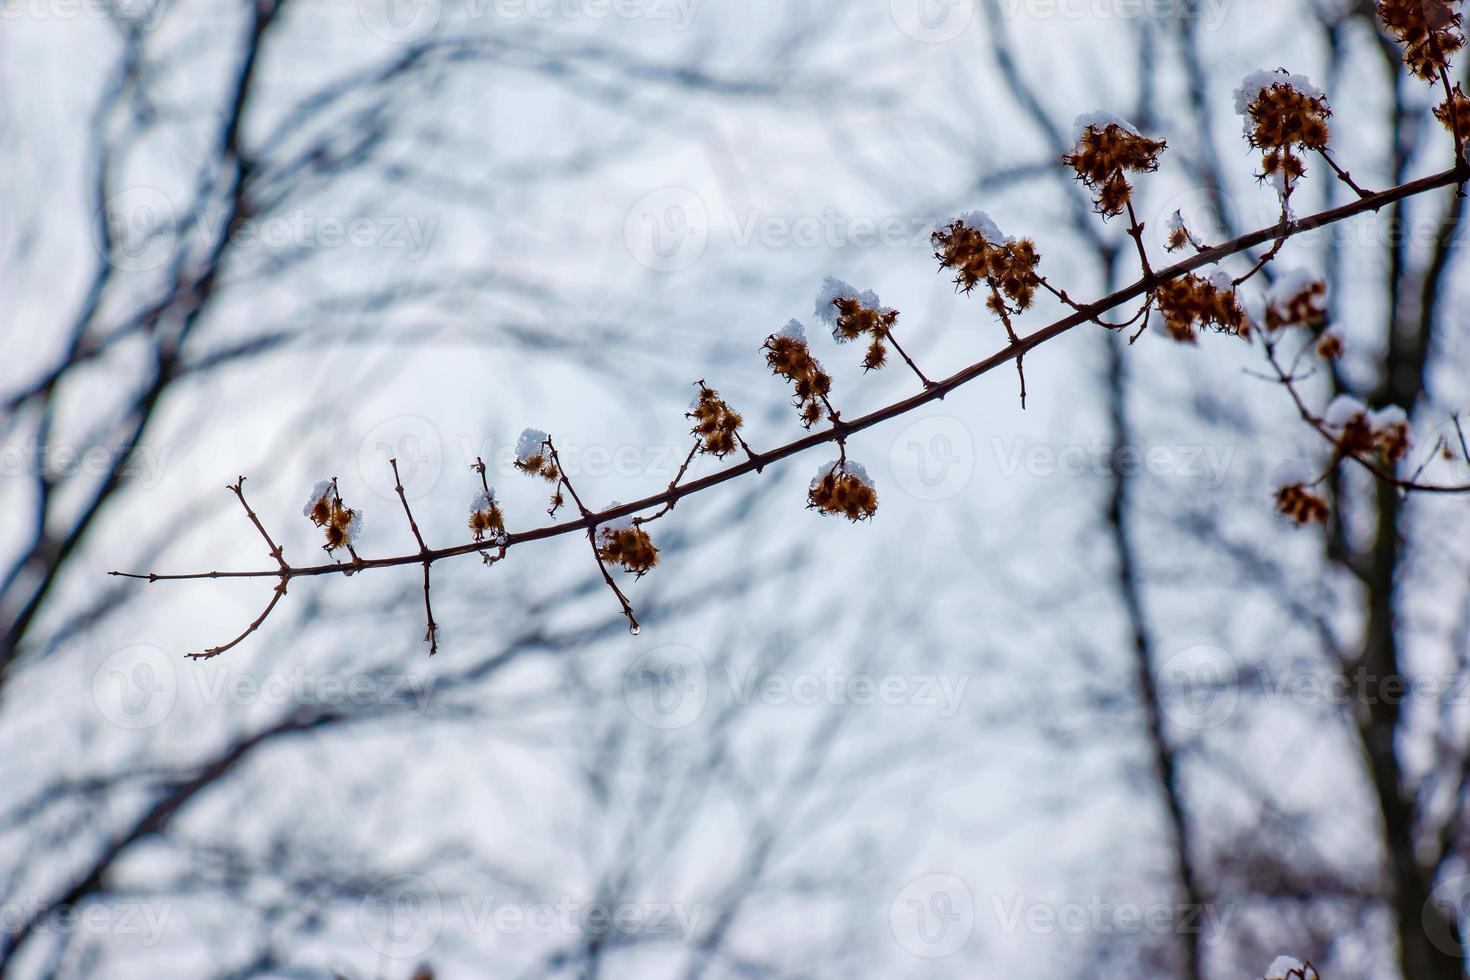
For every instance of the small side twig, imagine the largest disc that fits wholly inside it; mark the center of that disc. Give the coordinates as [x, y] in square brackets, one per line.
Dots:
[1342, 174]
[432, 634]
[1135, 232]
[674, 487]
[908, 360]
[479, 467]
[592, 540]
[276, 552]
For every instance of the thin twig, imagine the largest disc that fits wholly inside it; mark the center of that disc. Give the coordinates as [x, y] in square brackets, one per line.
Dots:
[1135, 232]
[908, 360]
[479, 467]
[432, 634]
[1004, 312]
[238, 488]
[276, 594]
[673, 488]
[1342, 174]
[587, 515]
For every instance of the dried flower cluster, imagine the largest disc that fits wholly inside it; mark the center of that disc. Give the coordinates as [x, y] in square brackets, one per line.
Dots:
[1283, 113]
[326, 510]
[1105, 148]
[1330, 345]
[975, 248]
[1454, 113]
[533, 457]
[843, 488]
[716, 424]
[1295, 300]
[1192, 303]
[1429, 30]
[787, 355]
[853, 315]
[485, 516]
[1180, 235]
[1382, 434]
[625, 543]
[1303, 506]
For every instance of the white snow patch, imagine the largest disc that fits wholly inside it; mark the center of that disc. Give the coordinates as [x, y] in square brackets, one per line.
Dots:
[794, 330]
[317, 493]
[618, 524]
[851, 468]
[529, 444]
[835, 289]
[354, 529]
[1259, 81]
[981, 222]
[482, 501]
[1388, 417]
[1099, 119]
[1221, 280]
[1342, 410]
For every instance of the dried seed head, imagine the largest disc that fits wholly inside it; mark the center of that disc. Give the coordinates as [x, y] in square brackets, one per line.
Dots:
[976, 249]
[788, 357]
[1104, 148]
[852, 315]
[318, 507]
[715, 422]
[1180, 235]
[1330, 346]
[341, 524]
[1454, 113]
[1429, 30]
[1300, 504]
[485, 516]
[1295, 299]
[1191, 303]
[1381, 434]
[624, 543]
[532, 457]
[1283, 113]
[843, 488]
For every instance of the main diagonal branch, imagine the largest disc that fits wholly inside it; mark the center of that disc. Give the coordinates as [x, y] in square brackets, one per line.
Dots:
[840, 431]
